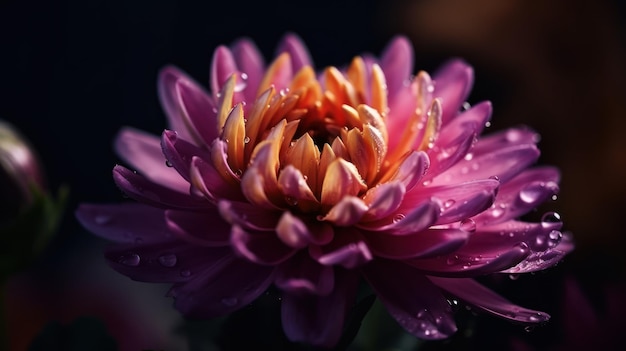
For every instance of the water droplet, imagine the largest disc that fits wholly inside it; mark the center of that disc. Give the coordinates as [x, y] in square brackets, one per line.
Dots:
[468, 225]
[246, 140]
[448, 203]
[469, 156]
[531, 193]
[130, 259]
[554, 238]
[554, 197]
[292, 201]
[452, 260]
[238, 173]
[185, 273]
[487, 124]
[397, 218]
[513, 276]
[102, 219]
[168, 163]
[529, 328]
[243, 76]
[466, 106]
[230, 301]
[422, 313]
[550, 218]
[497, 212]
[168, 260]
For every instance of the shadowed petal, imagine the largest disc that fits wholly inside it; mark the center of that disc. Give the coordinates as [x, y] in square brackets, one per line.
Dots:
[141, 189]
[224, 287]
[206, 179]
[416, 304]
[125, 222]
[263, 248]
[248, 216]
[302, 276]
[541, 260]
[459, 264]
[178, 153]
[484, 299]
[200, 228]
[319, 320]
[167, 262]
[504, 139]
[143, 151]
[348, 250]
[474, 119]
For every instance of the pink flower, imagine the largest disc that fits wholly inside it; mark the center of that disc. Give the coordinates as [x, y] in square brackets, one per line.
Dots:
[309, 181]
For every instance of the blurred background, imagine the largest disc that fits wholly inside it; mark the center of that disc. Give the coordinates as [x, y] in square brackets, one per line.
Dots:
[73, 72]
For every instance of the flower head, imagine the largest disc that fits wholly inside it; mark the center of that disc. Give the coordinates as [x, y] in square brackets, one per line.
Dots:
[282, 175]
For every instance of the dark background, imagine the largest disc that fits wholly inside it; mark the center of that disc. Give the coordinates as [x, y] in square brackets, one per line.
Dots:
[73, 72]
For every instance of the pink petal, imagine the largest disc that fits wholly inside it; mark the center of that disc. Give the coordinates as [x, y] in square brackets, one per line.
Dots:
[143, 151]
[226, 286]
[484, 299]
[397, 63]
[318, 320]
[504, 139]
[125, 222]
[412, 169]
[541, 260]
[419, 217]
[301, 275]
[251, 63]
[263, 248]
[223, 65]
[459, 201]
[427, 243]
[445, 157]
[383, 199]
[199, 111]
[293, 184]
[141, 189]
[347, 212]
[170, 101]
[501, 163]
[521, 194]
[416, 304]
[297, 50]
[199, 228]
[474, 119]
[453, 82]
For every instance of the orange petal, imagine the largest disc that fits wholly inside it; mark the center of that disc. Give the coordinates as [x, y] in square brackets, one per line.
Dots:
[341, 179]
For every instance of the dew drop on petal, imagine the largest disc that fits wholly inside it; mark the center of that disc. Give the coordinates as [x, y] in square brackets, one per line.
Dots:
[466, 106]
[554, 238]
[448, 203]
[130, 259]
[397, 218]
[469, 156]
[554, 197]
[292, 201]
[168, 163]
[531, 193]
[168, 260]
[487, 124]
[246, 140]
[550, 218]
[513, 276]
[468, 225]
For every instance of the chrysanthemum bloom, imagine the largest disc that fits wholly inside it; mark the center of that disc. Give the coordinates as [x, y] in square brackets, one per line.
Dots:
[311, 180]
